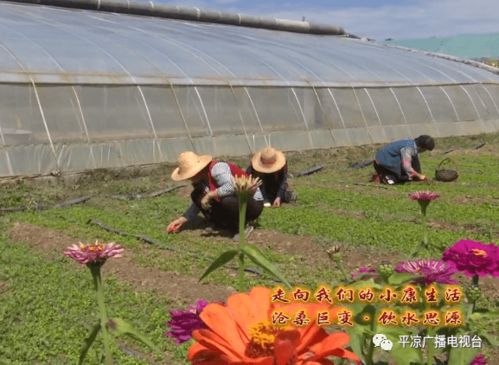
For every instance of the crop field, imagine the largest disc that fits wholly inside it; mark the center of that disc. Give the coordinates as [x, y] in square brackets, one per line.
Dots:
[47, 301]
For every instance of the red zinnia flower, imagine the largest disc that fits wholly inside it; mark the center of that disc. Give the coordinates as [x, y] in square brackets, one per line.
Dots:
[474, 258]
[93, 253]
[479, 360]
[241, 333]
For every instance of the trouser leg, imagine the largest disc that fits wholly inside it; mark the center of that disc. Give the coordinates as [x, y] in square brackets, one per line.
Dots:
[226, 211]
[385, 174]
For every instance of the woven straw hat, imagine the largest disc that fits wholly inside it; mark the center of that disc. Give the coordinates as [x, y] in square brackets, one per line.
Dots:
[268, 160]
[189, 164]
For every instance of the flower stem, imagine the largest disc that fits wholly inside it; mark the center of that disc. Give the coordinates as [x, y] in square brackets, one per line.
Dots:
[370, 354]
[424, 242]
[425, 228]
[341, 267]
[241, 272]
[243, 201]
[431, 333]
[95, 270]
[474, 281]
[369, 357]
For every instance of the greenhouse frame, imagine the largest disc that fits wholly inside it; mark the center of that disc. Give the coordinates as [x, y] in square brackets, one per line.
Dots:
[85, 87]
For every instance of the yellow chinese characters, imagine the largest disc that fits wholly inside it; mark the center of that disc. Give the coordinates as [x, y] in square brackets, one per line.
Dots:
[300, 318]
[453, 294]
[401, 306]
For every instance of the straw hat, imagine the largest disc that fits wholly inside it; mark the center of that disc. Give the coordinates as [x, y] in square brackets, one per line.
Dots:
[268, 160]
[189, 164]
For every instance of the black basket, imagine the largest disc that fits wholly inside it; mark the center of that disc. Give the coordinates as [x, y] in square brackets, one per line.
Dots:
[445, 174]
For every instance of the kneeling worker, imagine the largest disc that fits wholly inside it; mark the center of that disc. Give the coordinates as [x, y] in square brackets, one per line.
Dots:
[270, 166]
[398, 161]
[214, 193]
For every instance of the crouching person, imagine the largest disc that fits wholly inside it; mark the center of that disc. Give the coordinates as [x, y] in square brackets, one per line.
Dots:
[270, 166]
[398, 161]
[214, 193]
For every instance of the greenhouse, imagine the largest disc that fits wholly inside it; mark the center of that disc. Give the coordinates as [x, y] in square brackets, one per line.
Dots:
[106, 84]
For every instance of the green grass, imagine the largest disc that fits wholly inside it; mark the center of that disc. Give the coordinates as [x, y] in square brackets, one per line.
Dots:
[47, 307]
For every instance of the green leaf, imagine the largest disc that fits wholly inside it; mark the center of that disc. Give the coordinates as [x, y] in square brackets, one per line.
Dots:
[462, 355]
[402, 355]
[118, 327]
[357, 334]
[88, 342]
[257, 257]
[361, 310]
[398, 278]
[220, 261]
[492, 315]
[491, 339]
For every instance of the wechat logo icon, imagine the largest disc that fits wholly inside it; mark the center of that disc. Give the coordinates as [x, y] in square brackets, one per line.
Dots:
[380, 340]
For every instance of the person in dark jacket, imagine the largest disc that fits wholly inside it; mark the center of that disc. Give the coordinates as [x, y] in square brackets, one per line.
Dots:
[270, 166]
[398, 161]
[214, 192]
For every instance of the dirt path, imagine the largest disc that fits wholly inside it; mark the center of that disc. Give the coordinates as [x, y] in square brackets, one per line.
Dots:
[183, 289]
[314, 253]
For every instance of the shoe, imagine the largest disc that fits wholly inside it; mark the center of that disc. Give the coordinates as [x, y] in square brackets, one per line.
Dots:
[209, 230]
[247, 233]
[389, 180]
[267, 205]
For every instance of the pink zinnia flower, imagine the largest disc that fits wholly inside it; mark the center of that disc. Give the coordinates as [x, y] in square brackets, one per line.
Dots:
[93, 253]
[183, 322]
[431, 270]
[424, 196]
[479, 360]
[474, 258]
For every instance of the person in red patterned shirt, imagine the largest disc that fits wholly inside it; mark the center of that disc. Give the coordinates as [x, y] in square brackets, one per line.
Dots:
[214, 193]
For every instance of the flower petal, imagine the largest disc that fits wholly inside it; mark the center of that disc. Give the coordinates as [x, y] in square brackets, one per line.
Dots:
[217, 344]
[314, 334]
[285, 345]
[345, 354]
[330, 343]
[195, 350]
[219, 319]
[257, 361]
[310, 335]
[207, 357]
[249, 309]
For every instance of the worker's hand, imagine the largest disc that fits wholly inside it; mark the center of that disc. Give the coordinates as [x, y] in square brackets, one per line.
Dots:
[277, 202]
[422, 177]
[205, 201]
[175, 226]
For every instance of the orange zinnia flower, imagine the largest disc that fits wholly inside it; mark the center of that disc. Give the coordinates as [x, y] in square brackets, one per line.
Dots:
[240, 333]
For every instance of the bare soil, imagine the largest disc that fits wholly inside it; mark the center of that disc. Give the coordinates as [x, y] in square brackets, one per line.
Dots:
[3, 287]
[314, 254]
